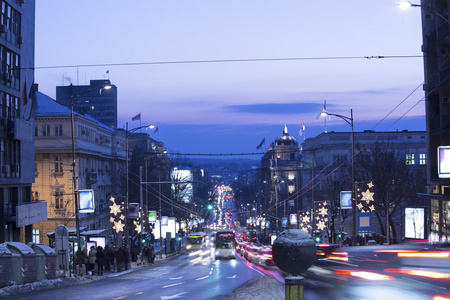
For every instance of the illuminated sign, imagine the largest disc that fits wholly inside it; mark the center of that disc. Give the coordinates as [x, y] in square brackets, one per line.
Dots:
[86, 200]
[346, 200]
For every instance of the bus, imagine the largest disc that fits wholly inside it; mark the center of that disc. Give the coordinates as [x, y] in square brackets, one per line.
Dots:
[224, 244]
[250, 236]
[195, 240]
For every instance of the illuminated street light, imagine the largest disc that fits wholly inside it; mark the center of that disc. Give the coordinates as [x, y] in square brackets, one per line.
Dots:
[408, 4]
[349, 121]
[127, 134]
[73, 100]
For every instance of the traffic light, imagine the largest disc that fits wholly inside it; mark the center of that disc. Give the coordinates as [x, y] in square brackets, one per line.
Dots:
[210, 204]
[339, 235]
[317, 237]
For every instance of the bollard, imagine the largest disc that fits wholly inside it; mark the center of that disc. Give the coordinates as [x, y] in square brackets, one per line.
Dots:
[23, 273]
[294, 287]
[294, 252]
[46, 271]
[83, 269]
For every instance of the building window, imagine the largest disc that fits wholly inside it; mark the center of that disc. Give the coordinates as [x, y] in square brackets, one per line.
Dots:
[59, 200]
[36, 131]
[410, 159]
[422, 159]
[58, 130]
[45, 130]
[36, 236]
[58, 164]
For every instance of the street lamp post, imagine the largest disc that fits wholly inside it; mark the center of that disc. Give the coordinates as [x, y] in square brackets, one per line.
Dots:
[349, 121]
[408, 4]
[127, 135]
[73, 100]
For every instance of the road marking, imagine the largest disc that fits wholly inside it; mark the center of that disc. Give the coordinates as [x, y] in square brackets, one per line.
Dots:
[201, 278]
[176, 278]
[234, 276]
[180, 295]
[170, 285]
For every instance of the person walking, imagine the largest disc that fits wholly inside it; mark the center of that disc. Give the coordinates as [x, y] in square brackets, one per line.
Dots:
[92, 258]
[100, 260]
[120, 258]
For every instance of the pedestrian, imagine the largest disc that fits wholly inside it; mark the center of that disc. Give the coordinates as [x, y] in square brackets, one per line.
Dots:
[92, 258]
[126, 255]
[152, 255]
[120, 258]
[108, 261]
[100, 260]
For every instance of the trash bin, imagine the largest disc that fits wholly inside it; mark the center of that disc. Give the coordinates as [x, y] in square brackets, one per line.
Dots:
[23, 262]
[5, 266]
[45, 261]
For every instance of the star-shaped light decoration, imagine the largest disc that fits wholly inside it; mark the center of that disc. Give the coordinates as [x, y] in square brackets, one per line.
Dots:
[118, 226]
[306, 219]
[321, 225]
[370, 185]
[111, 220]
[372, 207]
[114, 209]
[367, 196]
[360, 206]
[323, 211]
[138, 226]
[112, 199]
[122, 217]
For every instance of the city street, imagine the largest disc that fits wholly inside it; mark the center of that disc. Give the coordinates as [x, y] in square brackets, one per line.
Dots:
[195, 275]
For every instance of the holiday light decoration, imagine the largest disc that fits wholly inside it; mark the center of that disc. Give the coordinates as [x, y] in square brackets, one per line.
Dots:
[365, 197]
[305, 220]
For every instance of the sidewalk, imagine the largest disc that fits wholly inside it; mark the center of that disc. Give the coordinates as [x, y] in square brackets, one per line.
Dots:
[61, 281]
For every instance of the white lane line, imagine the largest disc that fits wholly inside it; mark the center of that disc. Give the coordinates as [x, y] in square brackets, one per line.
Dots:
[180, 295]
[170, 285]
[176, 278]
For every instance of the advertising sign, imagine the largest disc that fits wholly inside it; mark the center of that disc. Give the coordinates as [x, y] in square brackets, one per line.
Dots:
[152, 216]
[284, 222]
[346, 200]
[86, 200]
[444, 161]
[365, 221]
[133, 210]
[415, 222]
[293, 219]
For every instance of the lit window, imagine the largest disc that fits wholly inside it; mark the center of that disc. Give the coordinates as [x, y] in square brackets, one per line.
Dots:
[410, 158]
[36, 237]
[422, 158]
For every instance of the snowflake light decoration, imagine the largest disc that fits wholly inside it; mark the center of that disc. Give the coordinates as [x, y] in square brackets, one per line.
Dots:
[115, 209]
[305, 220]
[138, 226]
[321, 213]
[118, 226]
[365, 203]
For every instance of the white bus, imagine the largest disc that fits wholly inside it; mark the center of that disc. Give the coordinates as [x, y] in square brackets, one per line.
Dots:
[224, 244]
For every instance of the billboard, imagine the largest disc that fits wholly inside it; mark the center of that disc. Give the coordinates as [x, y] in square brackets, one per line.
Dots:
[152, 216]
[346, 200]
[293, 218]
[415, 222]
[443, 156]
[86, 201]
[133, 210]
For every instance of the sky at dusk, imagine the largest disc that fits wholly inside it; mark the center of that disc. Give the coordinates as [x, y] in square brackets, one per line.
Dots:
[220, 76]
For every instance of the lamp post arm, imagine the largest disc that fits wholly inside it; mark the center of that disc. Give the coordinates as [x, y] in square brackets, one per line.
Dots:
[349, 120]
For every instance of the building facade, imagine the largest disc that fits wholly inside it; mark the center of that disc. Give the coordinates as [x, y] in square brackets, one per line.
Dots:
[100, 160]
[436, 50]
[17, 210]
[327, 172]
[97, 102]
[281, 178]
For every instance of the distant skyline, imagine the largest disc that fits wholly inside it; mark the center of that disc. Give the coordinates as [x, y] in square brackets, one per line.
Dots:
[163, 58]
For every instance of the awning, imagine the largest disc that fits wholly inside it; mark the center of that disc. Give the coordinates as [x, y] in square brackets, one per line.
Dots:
[93, 232]
[72, 231]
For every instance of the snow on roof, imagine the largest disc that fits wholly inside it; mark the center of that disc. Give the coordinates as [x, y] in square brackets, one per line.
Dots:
[47, 106]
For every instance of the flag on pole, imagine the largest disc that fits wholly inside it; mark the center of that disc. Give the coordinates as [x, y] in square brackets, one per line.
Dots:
[136, 117]
[261, 144]
[324, 110]
[156, 130]
[302, 128]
